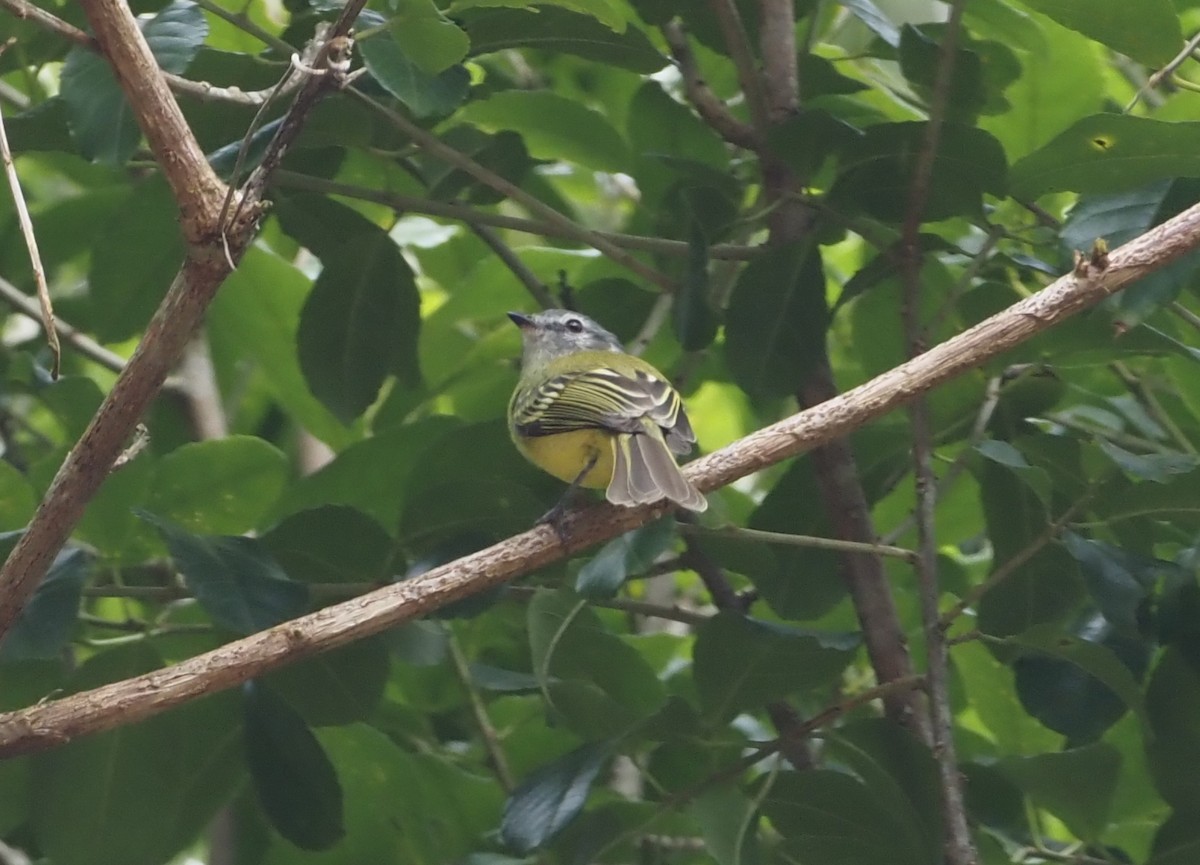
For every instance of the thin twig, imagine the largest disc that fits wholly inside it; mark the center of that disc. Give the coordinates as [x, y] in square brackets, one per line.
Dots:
[959, 847]
[1155, 79]
[35, 257]
[808, 541]
[434, 146]
[652, 325]
[73, 337]
[708, 105]
[736, 769]
[733, 32]
[487, 732]
[1006, 570]
[536, 288]
[1189, 317]
[472, 216]
[1150, 404]
[201, 90]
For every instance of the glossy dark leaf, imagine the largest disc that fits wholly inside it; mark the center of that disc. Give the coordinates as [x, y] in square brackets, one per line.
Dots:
[234, 579]
[423, 94]
[1080, 687]
[551, 28]
[551, 797]
[100, 118]
[90, 798]
[359, 324]
[629, 555]
[296, 784]
[336, 687]
[136, 255]
[776, 320]
[48, 618]
[877, 171]
[1076, 785]
[743, 663]
[331, 544]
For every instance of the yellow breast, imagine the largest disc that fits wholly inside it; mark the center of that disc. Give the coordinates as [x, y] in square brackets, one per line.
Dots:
[565, 454]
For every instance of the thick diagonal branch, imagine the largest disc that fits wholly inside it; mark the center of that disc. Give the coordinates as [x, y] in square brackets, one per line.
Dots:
[124, 702]
[200, 195]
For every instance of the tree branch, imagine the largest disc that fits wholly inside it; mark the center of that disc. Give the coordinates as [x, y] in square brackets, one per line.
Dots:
[960, 849]
[711, 109]
[470, 215]
[777, 45]
[209, 250]
[133, 699]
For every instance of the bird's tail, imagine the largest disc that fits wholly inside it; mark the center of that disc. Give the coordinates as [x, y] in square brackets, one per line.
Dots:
[644, 471]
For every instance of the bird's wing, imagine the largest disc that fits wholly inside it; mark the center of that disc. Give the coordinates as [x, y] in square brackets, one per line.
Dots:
[605, 399]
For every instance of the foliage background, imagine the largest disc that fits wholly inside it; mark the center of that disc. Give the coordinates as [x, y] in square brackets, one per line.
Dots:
[339, 424]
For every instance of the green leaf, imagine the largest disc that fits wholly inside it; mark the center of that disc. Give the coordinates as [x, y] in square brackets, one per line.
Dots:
[101, 122]
[255, 315]
[551, 797]
[1148, 31]
[629, 555]
[1076, 785]
[553, 127]
[902, 773]
[175, 34]
[1119, 582]
[426, 36]
[221, 486]
[1177, 841]
[423, 94]
[776, 320]
[920, 56]
[1123, 216]
[831, 817]
[419, 809]
[295, 782]
[1157, 467]
[1076, 686]
[728, 822]
[877, 171]
[882, 806]
[48, 618]
[91, 797]
[1046, 585]
[742, 663]
[1173, 704]
[371, 475]
[336, 687]
[1109, 153]
[234, 578]
[597, 681]
[331, 544]
[100, 119]
[137, 253]
[548, 28]
[359, 324]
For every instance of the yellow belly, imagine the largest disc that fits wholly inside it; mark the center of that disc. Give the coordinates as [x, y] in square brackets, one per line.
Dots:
[565, 454]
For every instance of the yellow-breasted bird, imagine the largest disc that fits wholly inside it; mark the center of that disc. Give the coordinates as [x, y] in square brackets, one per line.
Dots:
[594, 416]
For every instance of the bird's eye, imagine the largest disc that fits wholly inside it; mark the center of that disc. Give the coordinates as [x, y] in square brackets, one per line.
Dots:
[574, 325]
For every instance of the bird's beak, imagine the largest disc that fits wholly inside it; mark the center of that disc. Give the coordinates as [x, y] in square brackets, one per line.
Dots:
[521, 320]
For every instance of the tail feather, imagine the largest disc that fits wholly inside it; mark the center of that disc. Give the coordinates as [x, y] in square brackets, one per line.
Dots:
[644, 471]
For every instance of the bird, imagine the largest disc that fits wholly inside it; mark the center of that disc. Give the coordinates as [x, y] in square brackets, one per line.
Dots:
[594, 416]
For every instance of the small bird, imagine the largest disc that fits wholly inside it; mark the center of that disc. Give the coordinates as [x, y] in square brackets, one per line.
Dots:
[594, 416]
